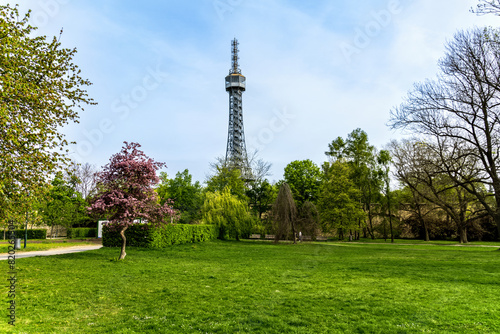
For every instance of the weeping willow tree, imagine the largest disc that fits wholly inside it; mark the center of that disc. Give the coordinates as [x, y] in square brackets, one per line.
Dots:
[229, 213]
[284, 214]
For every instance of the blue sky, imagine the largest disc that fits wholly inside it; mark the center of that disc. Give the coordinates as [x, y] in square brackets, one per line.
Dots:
[315, 70]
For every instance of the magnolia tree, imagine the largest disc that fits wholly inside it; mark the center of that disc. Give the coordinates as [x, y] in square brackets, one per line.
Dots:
[125, 192]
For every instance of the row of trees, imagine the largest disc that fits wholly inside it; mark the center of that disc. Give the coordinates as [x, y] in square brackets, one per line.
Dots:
[452, 162]
[448, 170]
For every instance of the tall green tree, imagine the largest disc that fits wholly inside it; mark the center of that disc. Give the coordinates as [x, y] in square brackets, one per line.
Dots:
[40, 92]
[303, 178]
[339, 201]
[186, 194]
[261, 195]
[365, 170]
[225, 177]
[64, 206]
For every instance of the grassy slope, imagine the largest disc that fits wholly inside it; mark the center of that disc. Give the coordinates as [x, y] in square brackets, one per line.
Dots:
[258, 287]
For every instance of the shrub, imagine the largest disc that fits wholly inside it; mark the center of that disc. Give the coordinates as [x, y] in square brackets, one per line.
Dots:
[32, 234]
[147, 236]
[81, 232]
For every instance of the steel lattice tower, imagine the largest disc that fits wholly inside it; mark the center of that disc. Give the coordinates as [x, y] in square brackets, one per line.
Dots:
[236, 152]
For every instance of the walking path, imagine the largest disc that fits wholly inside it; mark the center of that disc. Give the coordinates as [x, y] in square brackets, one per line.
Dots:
[56, 251]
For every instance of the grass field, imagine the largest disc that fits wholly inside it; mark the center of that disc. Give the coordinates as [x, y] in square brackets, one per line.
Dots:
[259, 287]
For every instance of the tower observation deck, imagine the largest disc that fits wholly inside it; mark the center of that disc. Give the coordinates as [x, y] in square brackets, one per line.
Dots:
[236, 152]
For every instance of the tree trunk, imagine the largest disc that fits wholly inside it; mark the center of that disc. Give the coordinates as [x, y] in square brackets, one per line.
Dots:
[463, 234]
[385, 230]
[426, 231]
[122, 234]
[390, 225]
[370, 230]
[496, 217]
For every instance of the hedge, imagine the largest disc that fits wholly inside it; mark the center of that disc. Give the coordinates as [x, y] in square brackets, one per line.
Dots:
[81, 232]
[142, 235]
[32, 234]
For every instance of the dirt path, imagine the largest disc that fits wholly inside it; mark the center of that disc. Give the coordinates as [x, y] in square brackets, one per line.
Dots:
[55, 251]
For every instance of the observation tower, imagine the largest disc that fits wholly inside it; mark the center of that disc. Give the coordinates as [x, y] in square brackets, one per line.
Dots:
[236, 152]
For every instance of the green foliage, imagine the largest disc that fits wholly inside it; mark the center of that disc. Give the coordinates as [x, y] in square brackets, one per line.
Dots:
[32, 233]
[261, 195]
[229, 213]
[182, 234]
[227, 178]
[187, 196]
[141, 235]
[40, 93]
[303, 177]
[339, 202]
[367, 169]
[81, 232]
[64, 205]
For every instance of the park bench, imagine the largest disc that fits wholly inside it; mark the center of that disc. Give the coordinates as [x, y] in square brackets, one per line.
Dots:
[321, 238]
[254, 236]
[269, 236]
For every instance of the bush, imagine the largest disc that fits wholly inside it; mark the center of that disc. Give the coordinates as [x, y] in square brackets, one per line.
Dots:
[142, 235]
[81, 232]
[32, 234]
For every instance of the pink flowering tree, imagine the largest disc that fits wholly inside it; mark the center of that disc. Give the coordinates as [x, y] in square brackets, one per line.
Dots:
[125, 192]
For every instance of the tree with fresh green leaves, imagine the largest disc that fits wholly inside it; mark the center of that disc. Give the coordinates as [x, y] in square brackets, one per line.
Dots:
[261, 195]
[225, 177]
[339, 200]
[229, 213]
[284, 214]
[186, 195]
[40, 92]
[366, 172]
[64, 206]
[303, 178]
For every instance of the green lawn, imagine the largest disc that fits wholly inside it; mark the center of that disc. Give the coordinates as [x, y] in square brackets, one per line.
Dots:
[259, 287]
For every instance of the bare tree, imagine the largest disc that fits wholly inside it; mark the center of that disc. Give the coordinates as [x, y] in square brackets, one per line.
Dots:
[260, 168]
[284, 214]
[487, 7]
[459, 113]
[419, 167]
[83, 178]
